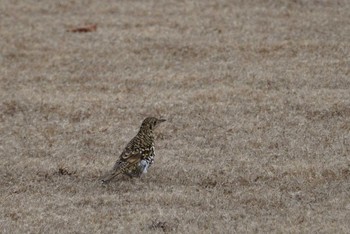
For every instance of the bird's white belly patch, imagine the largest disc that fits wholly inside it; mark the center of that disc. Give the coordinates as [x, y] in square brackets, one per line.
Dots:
[144, 164]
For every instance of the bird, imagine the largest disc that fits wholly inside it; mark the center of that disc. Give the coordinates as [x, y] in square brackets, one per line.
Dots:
[138, 154]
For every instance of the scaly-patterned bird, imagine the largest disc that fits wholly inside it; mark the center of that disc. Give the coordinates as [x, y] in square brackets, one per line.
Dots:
[138, 154]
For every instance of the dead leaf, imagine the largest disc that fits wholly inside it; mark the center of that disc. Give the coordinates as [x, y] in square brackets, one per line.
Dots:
[83, 29]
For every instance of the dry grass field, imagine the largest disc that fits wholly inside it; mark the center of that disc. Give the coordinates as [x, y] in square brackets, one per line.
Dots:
[256, 94]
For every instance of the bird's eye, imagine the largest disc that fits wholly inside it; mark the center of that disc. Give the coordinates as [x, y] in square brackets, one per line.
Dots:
[153, 124]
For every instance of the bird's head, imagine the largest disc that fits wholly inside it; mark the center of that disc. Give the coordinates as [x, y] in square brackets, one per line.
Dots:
[151, 123]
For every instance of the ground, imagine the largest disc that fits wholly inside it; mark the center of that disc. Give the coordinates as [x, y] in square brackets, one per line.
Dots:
[257, 100]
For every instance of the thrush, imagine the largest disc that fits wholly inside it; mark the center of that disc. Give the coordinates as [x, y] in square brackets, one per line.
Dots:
[138, 154]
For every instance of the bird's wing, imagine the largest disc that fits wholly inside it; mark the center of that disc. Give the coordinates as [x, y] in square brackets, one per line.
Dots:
[130, 153]
[128, 159]
[122, 165]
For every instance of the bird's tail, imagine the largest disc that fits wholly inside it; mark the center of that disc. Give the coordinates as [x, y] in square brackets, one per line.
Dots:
[109, 176]
[117, 169]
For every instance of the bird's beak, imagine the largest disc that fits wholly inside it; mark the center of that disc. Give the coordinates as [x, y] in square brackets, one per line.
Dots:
[161, 120]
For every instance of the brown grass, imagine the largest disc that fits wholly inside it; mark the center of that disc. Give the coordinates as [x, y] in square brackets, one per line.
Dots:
[257, 97]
